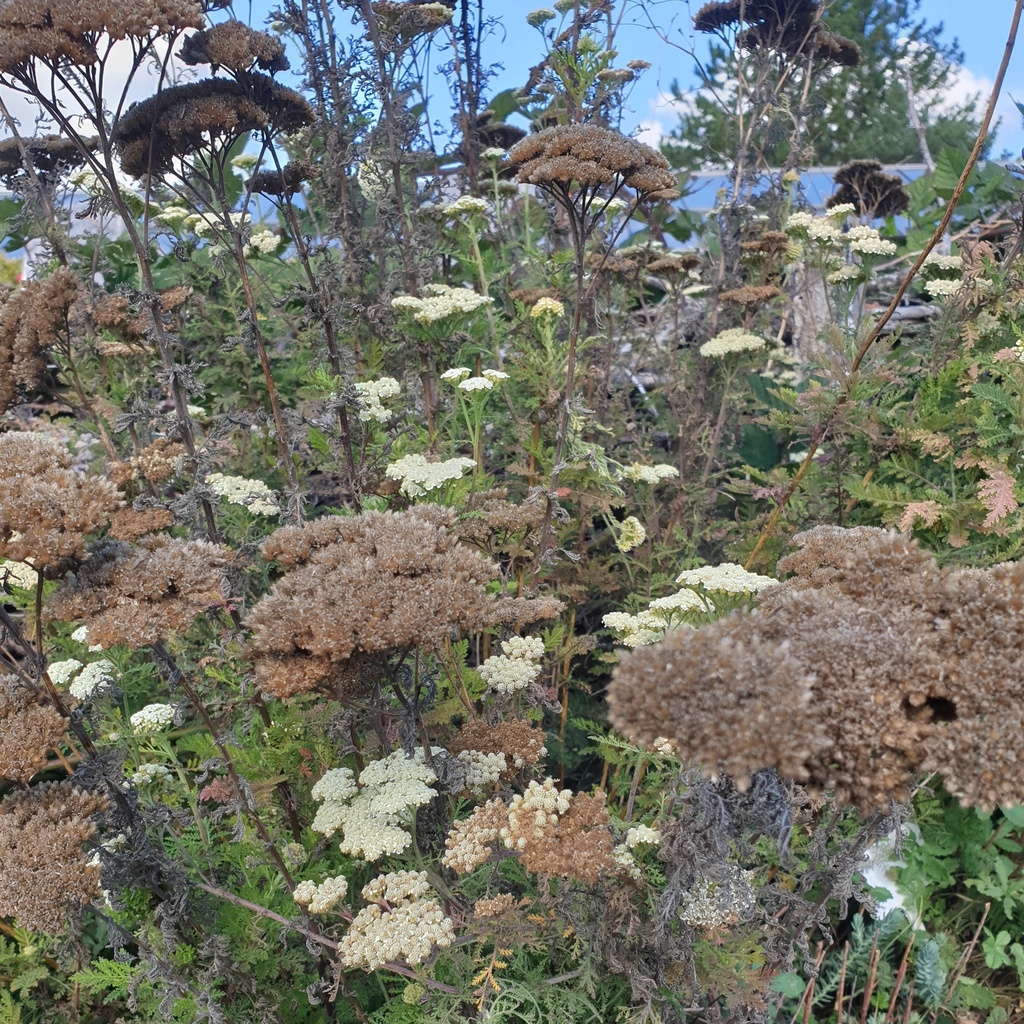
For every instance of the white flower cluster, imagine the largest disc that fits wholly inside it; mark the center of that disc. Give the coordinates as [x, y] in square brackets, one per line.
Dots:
[728, 578]
[841, 210]
[652, 475]
[253, 495]
[461, 376]
[546, 306]
[868, 242]
[152, 718]
[375, 180]
[93, 680]
[847, 272]
[318, 899]
[173, 215]
[630, 534]
[372, 816]
[262, 242]
[733, 340]
[372, 394]
[710, 904]
[493, 153]
[441, 303]
[400, 923]
[638, 835]
[517, 667]
[419, 476]
[150, 775]
[943, 287]
[818, 229]
[661, 615]
[482, 770]
[18, 574]
[61, 672]
[468, 205]
[940, 261]
[540, 16]
[539, 807]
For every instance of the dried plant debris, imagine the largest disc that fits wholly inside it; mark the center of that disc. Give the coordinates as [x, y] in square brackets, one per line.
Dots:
[872, 192]
[869, 668]
[49, 155]
[235, 46]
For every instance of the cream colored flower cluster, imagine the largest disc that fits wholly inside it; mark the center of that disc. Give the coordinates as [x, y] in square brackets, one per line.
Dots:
[441, 302]
[18, 574]
[867, 242]
[661, 615]
[152, 718]
[516, 668]
[710, 904]
[468, 205]
[536, 810]
[482, 770]
[943, 287]
[419, 476]
[728, 578]
[93, 680]
[319, 899]
[652, 475]
[547, 307]
[374, 179]
[374, 814]
[460, 375]
[733, 340]
[630, 534]
[372, 394]
[150, 775]
[401, 922]
[262, 242]
[638, 835]
[817, 229]
[253, 495]
[941, 261]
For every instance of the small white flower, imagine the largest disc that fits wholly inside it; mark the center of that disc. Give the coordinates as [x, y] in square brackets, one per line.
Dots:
[18, 574]
[943, 287]
[733, 340]
[152, 718]
[727, 578]
[150, 775]
[841, 210]
[93, 680]
[476, 384]
[456, 373]
[61, 672]
[495, 375]
[419, 476]
[630, 534]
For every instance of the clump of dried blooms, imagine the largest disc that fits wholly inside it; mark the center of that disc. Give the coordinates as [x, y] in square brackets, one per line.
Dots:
[592, 157]
[46, 509]
[31, 318]
[140, 594]
[520, 743]
[791, 27]
[130, 523]
[362, 585]
[235, 46]
[45, 875]
[556, 833]
[50, 154]
[751, 295]
[872, 192]
[69, 30]
[868, 668]
[186, 119]
[284, 183]
[29, 730]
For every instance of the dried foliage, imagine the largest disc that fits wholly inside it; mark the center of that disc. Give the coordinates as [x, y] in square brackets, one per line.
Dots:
[872, 192]
[42, 834]
[29, 729]
[140, 594]
[235, 46]
[372, 584]
[183, 120]
[868, 668]
[283, 183]
[521, 744]
[31, 319]
[70, 30]
[46, 509]
[49, 154]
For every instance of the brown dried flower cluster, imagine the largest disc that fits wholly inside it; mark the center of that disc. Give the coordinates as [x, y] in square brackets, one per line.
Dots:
[556, 834]
[69, 30]
[368, 585]
[873, 192]
[284, 183]
[45, 874]
[29, 730]
[235, 46]
[402, 21]
[867, 669]
[132, 322]
[751, 295]
[46, 509]
[50, 154]
[140, 594]
[31, 318]
[521, 744]
[186, 119]
[792, 27]
[592, 157]
[130, 523]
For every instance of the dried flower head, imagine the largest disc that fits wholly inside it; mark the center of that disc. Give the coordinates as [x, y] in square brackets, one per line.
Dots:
[29, 729]
[591, 157]
[284, 183]
[130, 523]
[50, 155]
[185, 119]
[519, 743]
[32, 318]
[46, 876]
[235, 46]
[872, 192]
[46, 509]
[366, 585]
[139, 594]
[58, 31]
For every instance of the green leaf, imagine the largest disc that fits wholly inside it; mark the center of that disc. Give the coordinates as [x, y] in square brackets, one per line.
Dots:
[929, 973]
[106, 976]
[789, 984]
[27, 980]
[10, 1012]
[318, 441]
[974, 994]
[994, 948]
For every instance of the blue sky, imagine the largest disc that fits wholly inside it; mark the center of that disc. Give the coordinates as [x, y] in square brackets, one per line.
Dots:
[980, 27]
